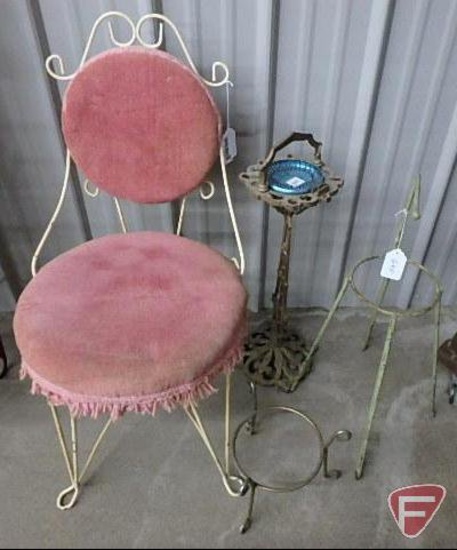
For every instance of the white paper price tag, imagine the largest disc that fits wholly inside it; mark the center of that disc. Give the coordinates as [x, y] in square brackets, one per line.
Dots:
[295, 182]
[229, 145]
[394, 264]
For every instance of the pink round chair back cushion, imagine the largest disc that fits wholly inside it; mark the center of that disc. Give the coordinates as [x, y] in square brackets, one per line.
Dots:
[141, 125]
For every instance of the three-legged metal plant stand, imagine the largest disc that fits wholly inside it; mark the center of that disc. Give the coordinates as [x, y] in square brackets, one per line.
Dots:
[253, 425]
[393, 315]
[275, 354]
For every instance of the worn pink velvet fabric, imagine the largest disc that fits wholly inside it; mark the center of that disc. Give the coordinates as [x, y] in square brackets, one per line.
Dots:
[131, 323]
[141, 125]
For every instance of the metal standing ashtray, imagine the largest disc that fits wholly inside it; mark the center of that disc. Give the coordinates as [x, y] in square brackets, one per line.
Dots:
[275, 355]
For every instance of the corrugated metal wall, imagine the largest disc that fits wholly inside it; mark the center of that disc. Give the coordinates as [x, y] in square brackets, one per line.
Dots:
[375, 80]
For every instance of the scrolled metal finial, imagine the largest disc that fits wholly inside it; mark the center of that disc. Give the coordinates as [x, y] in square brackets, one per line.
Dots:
[214, 82]
[58, 73]
[207, 196]
[58, 59]
[225, 78]
[61, 68]
[92, 193]
[117, 42]
[151, 16]
[163, 19]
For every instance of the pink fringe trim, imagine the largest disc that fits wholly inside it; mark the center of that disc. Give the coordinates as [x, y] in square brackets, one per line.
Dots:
[86, 405]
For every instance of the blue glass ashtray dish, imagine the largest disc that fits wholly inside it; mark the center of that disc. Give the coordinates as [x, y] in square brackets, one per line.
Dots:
[293, 177]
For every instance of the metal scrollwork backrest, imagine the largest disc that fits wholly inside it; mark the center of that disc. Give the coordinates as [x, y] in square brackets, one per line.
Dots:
[219, 77]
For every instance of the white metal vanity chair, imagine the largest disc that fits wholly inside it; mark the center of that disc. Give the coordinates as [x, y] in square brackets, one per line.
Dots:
[135, 322]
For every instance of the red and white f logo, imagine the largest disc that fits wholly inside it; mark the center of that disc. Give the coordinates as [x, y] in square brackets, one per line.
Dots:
[414, 507]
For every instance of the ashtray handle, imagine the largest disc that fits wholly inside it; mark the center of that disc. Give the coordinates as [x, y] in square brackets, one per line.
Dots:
[295, 136]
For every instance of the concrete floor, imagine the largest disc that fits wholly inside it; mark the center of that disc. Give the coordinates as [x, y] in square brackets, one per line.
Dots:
[154, 486]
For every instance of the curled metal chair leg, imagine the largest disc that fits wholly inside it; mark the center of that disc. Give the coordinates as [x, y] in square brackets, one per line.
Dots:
[72, 490]
[69, 496]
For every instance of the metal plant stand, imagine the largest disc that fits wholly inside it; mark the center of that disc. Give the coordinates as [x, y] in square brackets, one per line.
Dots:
[253, 424]
[393, 314]
[275, 354]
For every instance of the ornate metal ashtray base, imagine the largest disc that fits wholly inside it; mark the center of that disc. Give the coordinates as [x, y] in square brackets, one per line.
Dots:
[276, 359]
[319, 461]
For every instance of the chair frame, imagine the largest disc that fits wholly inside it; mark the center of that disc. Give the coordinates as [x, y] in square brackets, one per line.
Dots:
[235, 485]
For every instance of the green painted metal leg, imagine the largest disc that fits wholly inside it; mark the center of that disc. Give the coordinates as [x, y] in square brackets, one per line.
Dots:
[381, 295]
[375, 396]
[320, 334]
[436, 344]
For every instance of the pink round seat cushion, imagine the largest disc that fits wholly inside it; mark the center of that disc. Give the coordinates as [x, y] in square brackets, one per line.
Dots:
[131, 323]
[141, 125]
